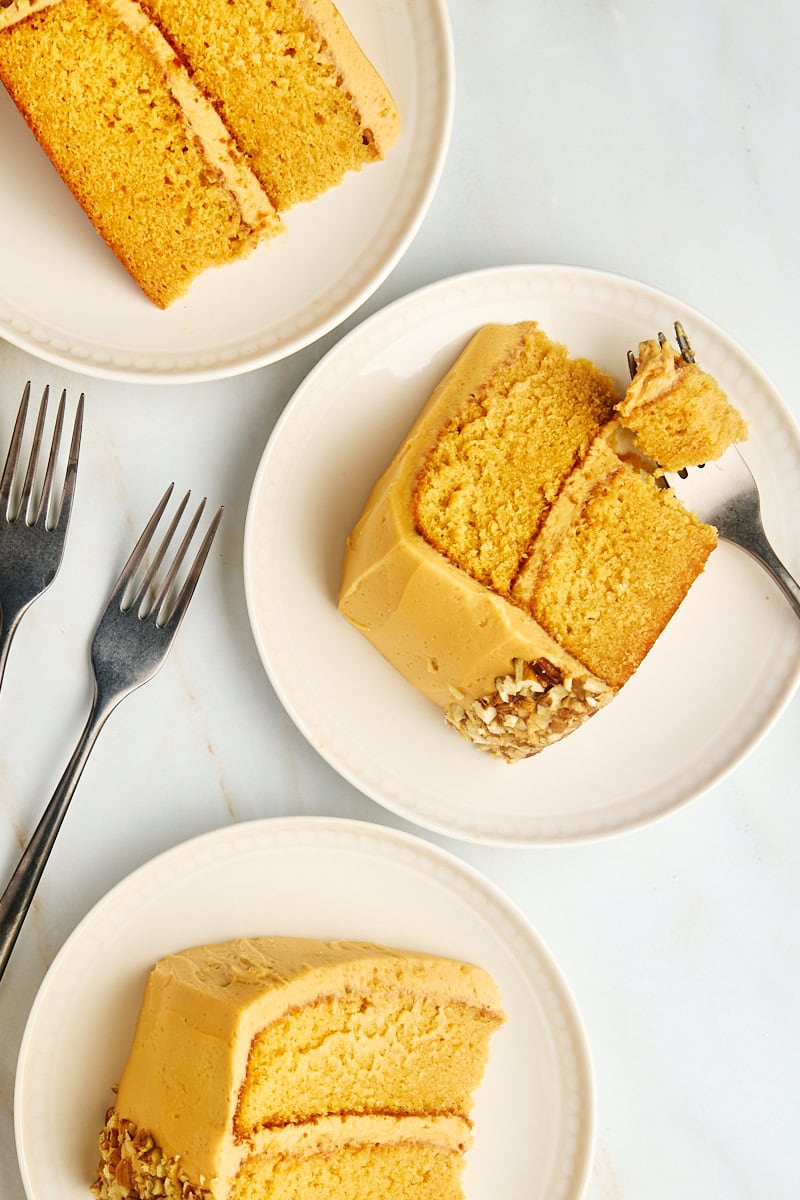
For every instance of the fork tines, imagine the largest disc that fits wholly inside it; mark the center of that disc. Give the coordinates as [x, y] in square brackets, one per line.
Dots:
[684, 346]
[136, 587]
[21, 501]
[687, 354]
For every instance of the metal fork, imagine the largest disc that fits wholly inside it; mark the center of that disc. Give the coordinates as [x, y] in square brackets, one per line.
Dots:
[31, 537]
[724, 494]
[130, 644]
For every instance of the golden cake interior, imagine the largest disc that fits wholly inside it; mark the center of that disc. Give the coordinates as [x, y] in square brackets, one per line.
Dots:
[408, 1171]
[499, 463]
[118, 137]
[608, 581]
[351, 1054]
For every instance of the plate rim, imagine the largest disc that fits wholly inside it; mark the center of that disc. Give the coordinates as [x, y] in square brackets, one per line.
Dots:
[393, 312]
[49, 351]
[326, 831]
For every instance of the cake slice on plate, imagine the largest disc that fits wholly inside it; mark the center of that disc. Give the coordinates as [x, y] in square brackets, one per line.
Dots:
[289, 1068]
[518, 558]
[184, 129]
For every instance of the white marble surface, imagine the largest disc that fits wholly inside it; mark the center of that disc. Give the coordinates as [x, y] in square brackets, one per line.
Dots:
[653, 142]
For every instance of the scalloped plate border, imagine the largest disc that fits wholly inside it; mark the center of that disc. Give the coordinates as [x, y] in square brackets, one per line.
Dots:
[366, 391]
[232, 882]
[73, 305]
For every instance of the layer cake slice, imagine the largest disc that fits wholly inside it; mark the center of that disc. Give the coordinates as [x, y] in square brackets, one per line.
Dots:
[183, 129]
[518, 558]
[278, 1068]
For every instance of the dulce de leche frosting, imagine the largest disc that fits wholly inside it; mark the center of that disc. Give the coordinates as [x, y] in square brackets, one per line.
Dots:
[375, 106]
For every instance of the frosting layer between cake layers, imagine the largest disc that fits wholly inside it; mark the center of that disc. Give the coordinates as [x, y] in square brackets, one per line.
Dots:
[291, 83]
[371, 1157]
[138, 143]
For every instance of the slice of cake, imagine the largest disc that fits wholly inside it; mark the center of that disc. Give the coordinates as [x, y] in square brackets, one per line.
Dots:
[182, 128]
[282, 1068]
[511, 563]
[680, 415]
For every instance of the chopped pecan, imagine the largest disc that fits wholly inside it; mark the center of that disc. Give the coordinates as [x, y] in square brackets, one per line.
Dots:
[546, 672]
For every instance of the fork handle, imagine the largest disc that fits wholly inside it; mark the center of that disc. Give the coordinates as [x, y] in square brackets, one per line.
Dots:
[788, 585]
[10, 617]
[764, 554]
[19, 893]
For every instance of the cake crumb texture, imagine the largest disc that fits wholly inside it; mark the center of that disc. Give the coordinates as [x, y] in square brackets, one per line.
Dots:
[121, 143]
[500, 461]
[405, 1171]
[619, 573]
[353, 1054]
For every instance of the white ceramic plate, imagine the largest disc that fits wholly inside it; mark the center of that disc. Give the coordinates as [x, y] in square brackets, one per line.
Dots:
[324, 878]
[715, 681]
[65, 297]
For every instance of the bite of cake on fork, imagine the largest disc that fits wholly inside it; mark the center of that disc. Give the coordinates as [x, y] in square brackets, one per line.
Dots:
[710, 476]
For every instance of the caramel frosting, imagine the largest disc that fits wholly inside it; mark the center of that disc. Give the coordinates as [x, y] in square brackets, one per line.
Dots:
[134, 1167]
[376, 109]
[602, 462]
[13, 11]
[202, 119]
[202, 1009]
[658, 372]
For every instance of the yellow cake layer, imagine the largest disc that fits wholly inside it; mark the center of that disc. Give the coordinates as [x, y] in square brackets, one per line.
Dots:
[406, 1170]
[500, 460]
[347, 1054]
[182, 128]
[613, 561]
[380, 1157]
